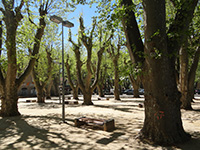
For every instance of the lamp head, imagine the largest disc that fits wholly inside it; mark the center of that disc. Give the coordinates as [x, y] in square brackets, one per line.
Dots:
[68, 24]
[56, 19]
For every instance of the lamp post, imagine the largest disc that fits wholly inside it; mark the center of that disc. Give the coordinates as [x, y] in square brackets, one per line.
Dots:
[68, 24]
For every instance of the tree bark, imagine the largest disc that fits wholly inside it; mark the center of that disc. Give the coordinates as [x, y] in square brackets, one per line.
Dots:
[9, 103]
[87, 96]
[74, 86]
[40, 95]
[75, 92]
[102, 80]
[100, 90]
[183, 84]
[48, 90]
[192, 74]
[114, 53]
[116, 80]
[12, 17]
[163, 124]
[136, 85]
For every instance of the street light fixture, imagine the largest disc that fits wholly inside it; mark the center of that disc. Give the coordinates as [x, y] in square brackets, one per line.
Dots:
[68, 24]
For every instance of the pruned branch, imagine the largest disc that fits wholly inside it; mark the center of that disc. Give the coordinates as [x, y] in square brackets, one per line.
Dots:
[87, 41]
[133, 37]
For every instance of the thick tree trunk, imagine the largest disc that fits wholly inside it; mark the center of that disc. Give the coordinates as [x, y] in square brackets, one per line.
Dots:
[183, 84]
[87, 97]
[100, 90]
[192, 74]
[116, 81]
[136, 86]
[40, 95]
[75, 92]
[12, 17]
[48, 89]
[163, 124]
[136, 93]
[9, 103]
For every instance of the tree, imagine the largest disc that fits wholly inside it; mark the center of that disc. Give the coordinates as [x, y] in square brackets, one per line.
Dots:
[85, 84]
[189, 58]
[102, 80]
[42, 73]
[48, 89]
[134, 76]
[73, 84]
[162, 124]
[9, 82]
[114, 55]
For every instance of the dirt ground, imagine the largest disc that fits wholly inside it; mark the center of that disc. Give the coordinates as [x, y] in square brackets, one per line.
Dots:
[41, 128]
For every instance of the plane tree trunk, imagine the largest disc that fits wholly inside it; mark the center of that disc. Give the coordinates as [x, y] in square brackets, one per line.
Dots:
[162, 124]
[100, 90]
[183, 79]
[102, 80]
[136, 85]
[73, 85]
[191, 77]
[114, 53]
[116, 80]
[48, 89]
[9, 82]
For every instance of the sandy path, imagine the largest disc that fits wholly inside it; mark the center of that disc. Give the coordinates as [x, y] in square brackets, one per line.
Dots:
[41, 127]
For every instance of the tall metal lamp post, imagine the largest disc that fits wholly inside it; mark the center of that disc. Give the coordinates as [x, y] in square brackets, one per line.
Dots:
[68, 24]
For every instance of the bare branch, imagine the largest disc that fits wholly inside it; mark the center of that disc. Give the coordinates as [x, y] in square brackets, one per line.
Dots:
[21, 4]
[28, 11]
[133, 37]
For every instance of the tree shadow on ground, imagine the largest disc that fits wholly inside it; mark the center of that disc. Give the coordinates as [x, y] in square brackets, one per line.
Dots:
[198, 110]
[193, 144]
[35, 137]
[112, 137]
